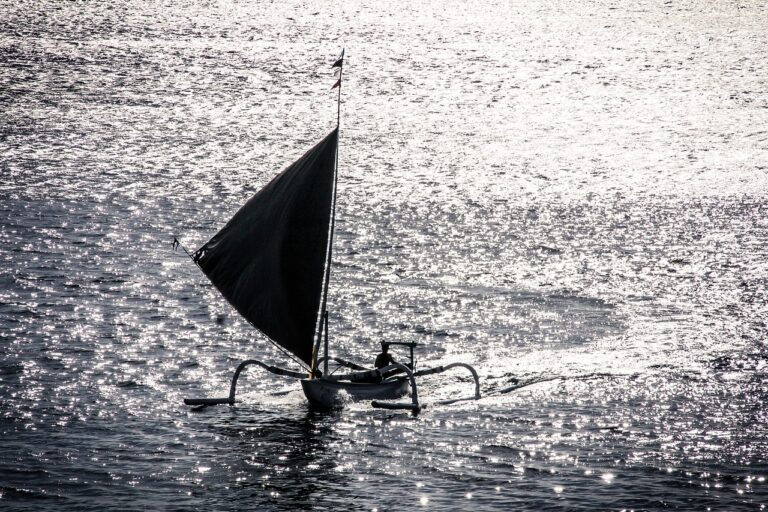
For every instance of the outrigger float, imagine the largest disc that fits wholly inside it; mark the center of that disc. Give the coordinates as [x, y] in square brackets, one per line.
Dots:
[272, 262]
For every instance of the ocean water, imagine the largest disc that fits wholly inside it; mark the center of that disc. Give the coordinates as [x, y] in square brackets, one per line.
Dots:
[570, 196]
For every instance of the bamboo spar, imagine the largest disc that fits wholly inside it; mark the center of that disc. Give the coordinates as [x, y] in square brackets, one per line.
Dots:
[323, 322]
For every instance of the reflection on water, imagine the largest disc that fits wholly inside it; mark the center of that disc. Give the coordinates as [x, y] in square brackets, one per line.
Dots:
[570, 198]
[278, 455]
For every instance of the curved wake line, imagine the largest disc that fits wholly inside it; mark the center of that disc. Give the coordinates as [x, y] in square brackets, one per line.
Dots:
[547, 378]
[522, 384]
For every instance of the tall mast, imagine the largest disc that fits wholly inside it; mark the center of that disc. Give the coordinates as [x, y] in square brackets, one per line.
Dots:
[323, 323]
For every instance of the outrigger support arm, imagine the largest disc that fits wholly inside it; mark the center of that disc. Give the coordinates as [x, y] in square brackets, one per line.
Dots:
[416, 407]
[441, 369]
[231, 398]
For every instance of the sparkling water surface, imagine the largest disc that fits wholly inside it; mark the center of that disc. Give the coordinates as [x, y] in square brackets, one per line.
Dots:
[571, 196]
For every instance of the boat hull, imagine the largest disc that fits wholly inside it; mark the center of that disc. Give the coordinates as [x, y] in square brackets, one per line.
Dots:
[329, 393]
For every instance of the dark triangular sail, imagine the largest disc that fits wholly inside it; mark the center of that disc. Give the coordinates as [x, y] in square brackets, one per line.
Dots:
[269, 260]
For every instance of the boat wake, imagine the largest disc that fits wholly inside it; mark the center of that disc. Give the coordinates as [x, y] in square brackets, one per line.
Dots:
[516, 384]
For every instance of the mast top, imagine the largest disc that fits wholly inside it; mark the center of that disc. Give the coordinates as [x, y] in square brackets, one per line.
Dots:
[339, 73]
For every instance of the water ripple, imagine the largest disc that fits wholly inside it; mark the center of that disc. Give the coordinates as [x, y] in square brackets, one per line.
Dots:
[572, 199]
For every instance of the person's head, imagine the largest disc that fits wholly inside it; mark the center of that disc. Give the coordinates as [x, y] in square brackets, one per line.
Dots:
[384, 348]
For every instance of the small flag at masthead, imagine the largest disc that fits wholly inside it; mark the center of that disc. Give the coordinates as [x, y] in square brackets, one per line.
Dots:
[340, 61]
[337, 73]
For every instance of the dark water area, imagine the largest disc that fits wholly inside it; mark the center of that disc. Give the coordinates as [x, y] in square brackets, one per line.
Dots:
[569, 196]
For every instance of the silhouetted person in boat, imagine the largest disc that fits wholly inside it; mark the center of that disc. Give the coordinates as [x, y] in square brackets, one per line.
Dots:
[382, 360]
[385, 358]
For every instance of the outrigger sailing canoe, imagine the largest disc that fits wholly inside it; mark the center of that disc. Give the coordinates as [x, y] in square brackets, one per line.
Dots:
[272, 262]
